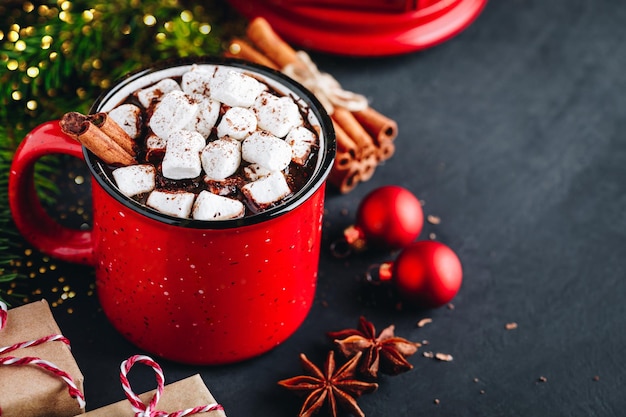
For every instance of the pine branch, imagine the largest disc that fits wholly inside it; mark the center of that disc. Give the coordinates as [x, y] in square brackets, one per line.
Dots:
[8, 234]
[58, 56]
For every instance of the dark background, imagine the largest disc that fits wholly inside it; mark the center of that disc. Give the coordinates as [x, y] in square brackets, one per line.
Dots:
[513, 134]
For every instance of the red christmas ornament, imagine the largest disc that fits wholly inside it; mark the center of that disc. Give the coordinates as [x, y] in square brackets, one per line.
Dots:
[426, 273]
[389, 216]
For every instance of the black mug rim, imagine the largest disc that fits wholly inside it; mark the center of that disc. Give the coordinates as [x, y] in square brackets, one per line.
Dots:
[302, 195]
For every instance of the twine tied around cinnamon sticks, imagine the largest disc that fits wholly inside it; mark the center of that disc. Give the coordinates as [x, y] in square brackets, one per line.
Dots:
[44, 364]
[323, 85]
[149, 410]
[365, 137]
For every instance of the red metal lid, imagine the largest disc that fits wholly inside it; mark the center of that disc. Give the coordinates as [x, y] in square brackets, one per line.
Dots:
[346, 27]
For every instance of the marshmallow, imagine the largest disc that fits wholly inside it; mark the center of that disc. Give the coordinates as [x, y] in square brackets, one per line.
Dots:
[301, 141]
[197, 81]
[234, 88]
[267, 190]
[254, 172]
[156, 91]
[237, 123]
[182, 155]
[155, 143]
[266, 150]
[175, 111]
[205, 118]
[135, 179]
[174, 203]
[128, 117]
[155, 147]
[221, 158]
[277, 115]
[209, 206]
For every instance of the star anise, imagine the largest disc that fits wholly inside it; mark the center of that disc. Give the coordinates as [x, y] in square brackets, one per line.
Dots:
[330, 386]
[386, 353]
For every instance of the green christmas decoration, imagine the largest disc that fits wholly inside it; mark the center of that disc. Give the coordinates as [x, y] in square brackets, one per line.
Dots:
[58, 56]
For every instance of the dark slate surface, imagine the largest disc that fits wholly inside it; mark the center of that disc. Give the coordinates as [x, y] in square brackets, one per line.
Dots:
[514, 134]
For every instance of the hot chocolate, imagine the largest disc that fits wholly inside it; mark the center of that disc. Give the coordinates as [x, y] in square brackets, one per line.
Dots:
[215, 143]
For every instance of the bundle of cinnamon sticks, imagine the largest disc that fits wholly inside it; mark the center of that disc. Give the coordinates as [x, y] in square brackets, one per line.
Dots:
[101, 135]
[365, 137]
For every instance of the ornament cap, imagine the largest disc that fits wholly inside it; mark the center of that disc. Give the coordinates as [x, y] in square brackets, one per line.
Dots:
[355, 237]
[385, 271]
[379, 273]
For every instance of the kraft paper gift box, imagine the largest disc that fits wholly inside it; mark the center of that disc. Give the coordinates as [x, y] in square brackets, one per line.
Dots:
[186, 393]
[28, 390]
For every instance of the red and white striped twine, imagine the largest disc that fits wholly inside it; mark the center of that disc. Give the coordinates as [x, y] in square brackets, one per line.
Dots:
[29, 360]
[142, 410]
[3, 314]
[51, 338]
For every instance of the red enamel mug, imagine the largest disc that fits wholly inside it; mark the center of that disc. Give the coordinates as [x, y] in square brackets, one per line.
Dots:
[199, 292]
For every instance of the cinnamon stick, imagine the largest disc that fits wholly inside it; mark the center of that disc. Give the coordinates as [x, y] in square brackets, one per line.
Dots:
[114, 131]
[273, 46]
[343, 160]
[346, 172]
[241, 49]
[381, 127]
[345, 144]
[367, 167]
[82, 129]
[385, 150]
[356, 132]
[345, 177]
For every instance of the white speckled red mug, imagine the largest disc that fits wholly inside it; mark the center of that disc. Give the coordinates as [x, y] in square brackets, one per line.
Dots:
[187, 290]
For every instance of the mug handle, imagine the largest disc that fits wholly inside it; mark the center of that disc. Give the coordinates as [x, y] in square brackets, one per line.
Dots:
[29, 216]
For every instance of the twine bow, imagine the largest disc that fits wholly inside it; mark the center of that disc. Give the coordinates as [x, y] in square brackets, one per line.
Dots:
[142, 410]
[326, 88]
[44, 364]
